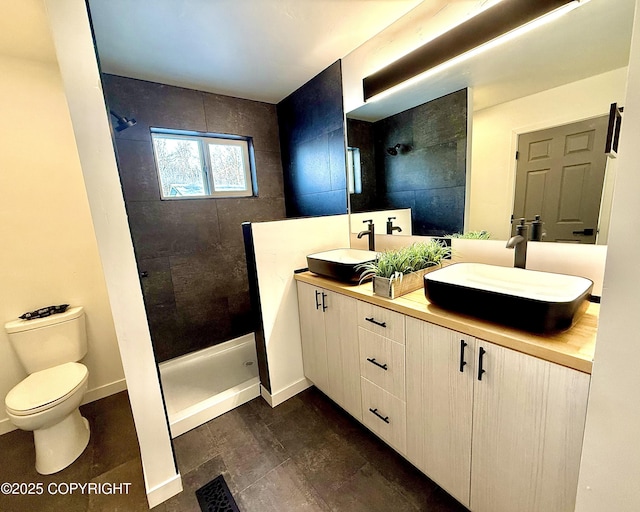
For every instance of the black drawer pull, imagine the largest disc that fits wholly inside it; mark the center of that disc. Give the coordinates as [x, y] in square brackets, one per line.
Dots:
[317, 302]
[373, 360]
[381, 324]
[383, 418]
[481, 370]
[324, 306]
[463, 344]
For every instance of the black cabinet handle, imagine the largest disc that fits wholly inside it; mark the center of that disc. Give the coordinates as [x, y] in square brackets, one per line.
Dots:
[381, 324]
[317, 303]
[383, 418]
[373, 360]
[481, 370]
[463, 344]
[324, 306]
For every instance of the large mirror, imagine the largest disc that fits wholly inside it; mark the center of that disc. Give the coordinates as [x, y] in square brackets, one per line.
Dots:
[414, 148]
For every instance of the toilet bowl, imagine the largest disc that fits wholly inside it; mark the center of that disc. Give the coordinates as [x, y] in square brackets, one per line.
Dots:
[47, 401]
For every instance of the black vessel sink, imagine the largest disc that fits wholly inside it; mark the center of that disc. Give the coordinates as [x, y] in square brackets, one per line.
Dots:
[540, 302]
[340, 264]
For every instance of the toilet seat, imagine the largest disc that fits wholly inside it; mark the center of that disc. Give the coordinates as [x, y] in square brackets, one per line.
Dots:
[45, 389]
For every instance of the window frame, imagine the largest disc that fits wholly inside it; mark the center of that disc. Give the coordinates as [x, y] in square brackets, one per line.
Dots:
[204, 140]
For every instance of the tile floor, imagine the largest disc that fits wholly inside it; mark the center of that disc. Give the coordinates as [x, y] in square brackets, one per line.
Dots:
[304, 455]
[112, 456]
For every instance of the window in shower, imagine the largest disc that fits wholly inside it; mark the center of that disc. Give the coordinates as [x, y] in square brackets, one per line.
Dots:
[193, 164]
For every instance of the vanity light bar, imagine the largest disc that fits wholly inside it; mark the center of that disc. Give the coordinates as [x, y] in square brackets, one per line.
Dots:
[489, 28]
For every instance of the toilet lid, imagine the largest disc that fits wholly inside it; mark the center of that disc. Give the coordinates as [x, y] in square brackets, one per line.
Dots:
[45, 387]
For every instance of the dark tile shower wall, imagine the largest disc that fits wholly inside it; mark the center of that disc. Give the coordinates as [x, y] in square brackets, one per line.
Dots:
[430, 178]
[196, 293]
[312, 142]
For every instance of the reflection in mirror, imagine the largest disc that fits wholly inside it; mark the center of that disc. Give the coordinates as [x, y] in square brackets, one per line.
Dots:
[415, 159]
[532, 83]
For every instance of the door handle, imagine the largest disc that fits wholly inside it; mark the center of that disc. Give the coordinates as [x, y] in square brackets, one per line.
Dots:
[463, 344]
[324, 306]
[374, 321]
[373, 361]
[585, 232]
[481, 370]
[383, 418]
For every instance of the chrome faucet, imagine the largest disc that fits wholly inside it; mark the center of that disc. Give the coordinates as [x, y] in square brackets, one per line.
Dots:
[519, 243]
[391, 228]
[371, 233]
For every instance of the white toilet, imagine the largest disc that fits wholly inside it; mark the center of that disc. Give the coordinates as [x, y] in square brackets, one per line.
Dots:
[47, 401]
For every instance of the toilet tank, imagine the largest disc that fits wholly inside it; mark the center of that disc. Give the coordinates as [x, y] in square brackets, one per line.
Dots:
[46, 342]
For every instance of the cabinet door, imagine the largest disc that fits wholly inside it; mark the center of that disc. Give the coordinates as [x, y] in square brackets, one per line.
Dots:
[312, 333]
[439, 404]
[528, 423]
[343, 356]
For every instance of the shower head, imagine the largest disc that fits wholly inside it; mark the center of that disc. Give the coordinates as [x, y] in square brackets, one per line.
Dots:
[402, 148]
[123, 122]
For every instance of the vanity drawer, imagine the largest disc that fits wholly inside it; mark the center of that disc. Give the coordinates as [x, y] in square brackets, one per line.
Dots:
[382, 362]
[381, 321]
[385, 415]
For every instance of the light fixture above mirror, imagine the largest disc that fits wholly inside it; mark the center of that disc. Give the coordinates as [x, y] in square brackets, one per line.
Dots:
[489, 28]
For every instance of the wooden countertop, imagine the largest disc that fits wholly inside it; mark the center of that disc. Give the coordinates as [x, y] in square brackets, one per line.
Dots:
[573, 348]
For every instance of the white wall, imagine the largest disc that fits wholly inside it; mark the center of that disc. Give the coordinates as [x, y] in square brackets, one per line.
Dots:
[71, 32]
[611, 455]
[280, 248]
[49, 253]
[494, 141]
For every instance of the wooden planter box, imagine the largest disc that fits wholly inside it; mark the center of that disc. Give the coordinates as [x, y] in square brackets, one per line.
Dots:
[391, 289]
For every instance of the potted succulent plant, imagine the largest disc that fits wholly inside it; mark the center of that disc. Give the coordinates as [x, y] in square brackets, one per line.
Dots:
[400, 271]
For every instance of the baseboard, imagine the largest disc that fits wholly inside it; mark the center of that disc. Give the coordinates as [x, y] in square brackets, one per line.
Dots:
[283, 395]
[6, 426]
[164, 491]
[104, 391]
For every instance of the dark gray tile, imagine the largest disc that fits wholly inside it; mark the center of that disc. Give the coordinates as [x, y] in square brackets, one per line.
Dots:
[310, 169]
[113, 435]
[283, 488]
[194, 448]
[324, 203]
[233, 212]
[166, 228]
[267, 414]
[440, 211]
[367, 491]
[247, 447]
[226, 114]
[186, 501]
[269, 173]
[153, 105]
[128, 491]
[137, 169]
[157, 287]
[441, 120]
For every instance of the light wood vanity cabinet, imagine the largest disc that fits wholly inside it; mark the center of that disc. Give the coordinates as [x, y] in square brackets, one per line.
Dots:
[498, 429]
[440, 404]
[500, 435]
[528, 424]
[330, 355]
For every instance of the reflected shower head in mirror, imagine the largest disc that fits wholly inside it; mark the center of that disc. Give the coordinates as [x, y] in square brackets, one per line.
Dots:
[123, 122]
[398, 148]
